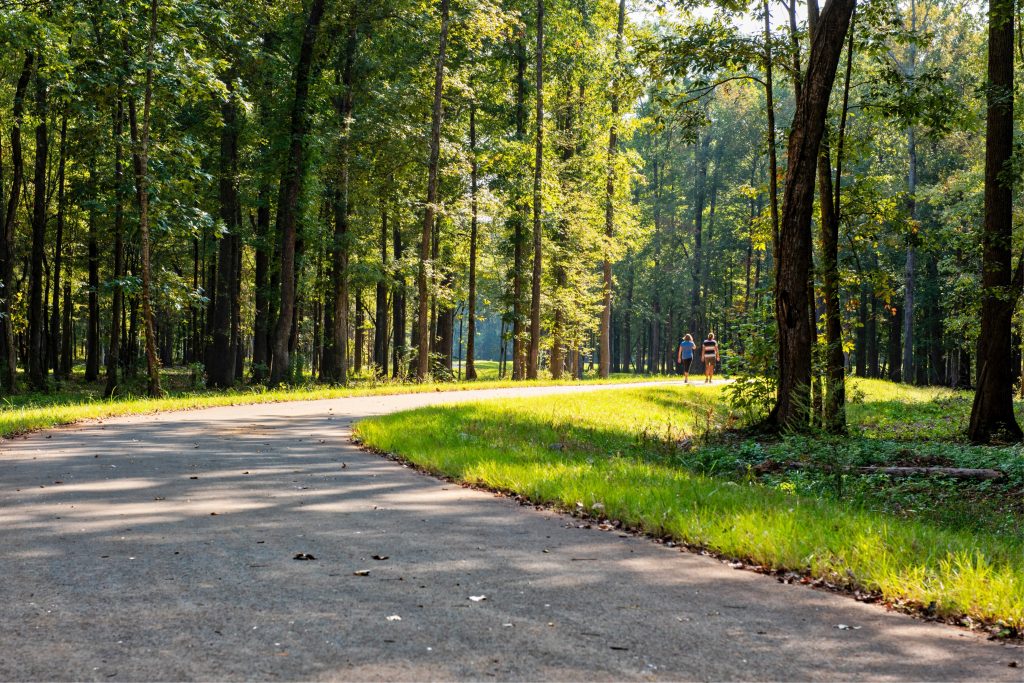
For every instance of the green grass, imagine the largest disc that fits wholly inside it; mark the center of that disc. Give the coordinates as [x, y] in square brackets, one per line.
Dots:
[76, 400]
[637, 456]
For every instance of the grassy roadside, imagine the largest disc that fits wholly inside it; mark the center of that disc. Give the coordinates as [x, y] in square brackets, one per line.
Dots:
[76, 401]
[635, 456]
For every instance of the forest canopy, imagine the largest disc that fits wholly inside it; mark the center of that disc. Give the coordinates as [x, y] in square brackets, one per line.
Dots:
[330, 190]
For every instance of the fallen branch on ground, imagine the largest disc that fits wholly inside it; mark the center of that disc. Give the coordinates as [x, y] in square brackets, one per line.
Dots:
[892, 471]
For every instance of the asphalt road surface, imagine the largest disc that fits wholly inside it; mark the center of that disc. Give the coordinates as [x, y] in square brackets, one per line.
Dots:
[161, 548]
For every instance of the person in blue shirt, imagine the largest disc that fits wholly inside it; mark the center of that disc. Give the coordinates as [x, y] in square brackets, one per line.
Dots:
[684, 357]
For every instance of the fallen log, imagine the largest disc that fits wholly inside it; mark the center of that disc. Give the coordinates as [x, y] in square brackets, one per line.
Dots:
[958, 472]
[892, 471]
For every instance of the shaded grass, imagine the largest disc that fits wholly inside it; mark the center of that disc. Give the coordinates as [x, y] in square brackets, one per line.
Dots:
[75, 400]
[628, 455]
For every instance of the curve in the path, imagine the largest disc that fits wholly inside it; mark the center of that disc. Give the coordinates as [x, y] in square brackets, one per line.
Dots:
[161, 548]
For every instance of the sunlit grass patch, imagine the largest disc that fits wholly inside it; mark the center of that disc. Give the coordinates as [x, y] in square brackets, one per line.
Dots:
[633, 456]
[77, 401]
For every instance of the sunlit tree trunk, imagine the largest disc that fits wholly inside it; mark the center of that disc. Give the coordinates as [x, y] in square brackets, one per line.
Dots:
[538, 204]
[992, 413]
[140, 158]
[422, 322]
[795, 336]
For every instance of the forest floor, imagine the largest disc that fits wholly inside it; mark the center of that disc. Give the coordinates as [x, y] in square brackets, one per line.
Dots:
[166, 546]
[74, 400]
[669, 462]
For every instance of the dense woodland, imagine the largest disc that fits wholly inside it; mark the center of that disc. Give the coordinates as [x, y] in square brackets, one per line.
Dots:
[331, 189]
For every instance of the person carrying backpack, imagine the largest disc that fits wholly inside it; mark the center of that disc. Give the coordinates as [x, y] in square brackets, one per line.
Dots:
[684, 356]
[710, 356]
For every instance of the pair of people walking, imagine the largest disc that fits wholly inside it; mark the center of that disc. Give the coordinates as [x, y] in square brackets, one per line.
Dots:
[708, 351]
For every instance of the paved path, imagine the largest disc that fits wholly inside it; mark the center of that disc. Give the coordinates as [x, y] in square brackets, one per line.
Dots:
[160, 548]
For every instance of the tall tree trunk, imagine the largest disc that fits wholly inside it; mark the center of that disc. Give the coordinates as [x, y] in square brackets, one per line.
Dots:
[429, 211]
[992, 413]
[893, 359]
[343, 105]
[37, 365]
[473, 227]
[56, 347]
[117, 293]
[773, 163]
[794, 262]
[700, 159]
[288, 198]
[8, 349]
[92, 325]
[380, 324]
[604, 346]
[519, 224]
[911, 264]
[538, 206]
[834, 413]
[398, 306]
[261, 286]
[220, 367]
[871, 333]
[140, 159]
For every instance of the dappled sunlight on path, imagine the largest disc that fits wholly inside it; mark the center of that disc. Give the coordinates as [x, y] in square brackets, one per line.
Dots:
[161, 547]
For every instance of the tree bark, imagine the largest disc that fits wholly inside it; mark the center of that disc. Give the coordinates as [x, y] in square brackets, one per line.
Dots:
[37, 358]
[8, 349]
[220, 366]
[473, 227]
[380, 323]
[56, 347]
[911, 263]
[773, 162]
[288, 197]
[793, 267]
[429, 212]
[92, 325]
[538, 203]
[398, 361]
[140, 158]
[117, 293]
[992, 413]
[604, 346]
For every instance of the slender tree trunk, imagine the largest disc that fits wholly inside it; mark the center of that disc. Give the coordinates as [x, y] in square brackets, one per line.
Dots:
[37, 358]
[519, 224]
[344, 104]
[794, 261]
[56, 347]
[538, 206]
[773, 163]
[92, 319]
[473, 226]
[140, 158]
[992, 413]
[117, 293]
[9, 355]
[911, 264]
[220, 367]
[261, 276]
[872, 335]
[380, 324]
[290, 189]
[398, 306]
[422, 332]
[604, 347]
[700, 159]
[834, 414]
